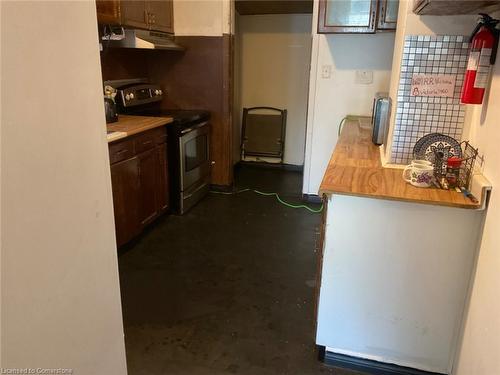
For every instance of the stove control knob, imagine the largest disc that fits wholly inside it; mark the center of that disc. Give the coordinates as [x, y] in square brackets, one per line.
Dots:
[132, 96]
[161, 92]
[127, 97]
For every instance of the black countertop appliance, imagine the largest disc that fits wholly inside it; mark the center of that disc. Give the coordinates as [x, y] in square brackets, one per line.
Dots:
[111, 111]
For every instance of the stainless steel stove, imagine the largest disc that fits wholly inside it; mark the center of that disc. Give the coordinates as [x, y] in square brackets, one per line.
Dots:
[188, 141]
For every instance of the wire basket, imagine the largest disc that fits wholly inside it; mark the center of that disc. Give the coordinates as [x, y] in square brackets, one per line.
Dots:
[469, 155]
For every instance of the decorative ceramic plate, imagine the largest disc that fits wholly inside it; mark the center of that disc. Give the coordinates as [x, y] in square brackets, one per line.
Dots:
[436, 145]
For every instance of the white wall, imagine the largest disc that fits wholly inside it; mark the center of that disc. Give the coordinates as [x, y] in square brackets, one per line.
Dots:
[481, 341]
[202, 17]
[274, 60]
[330, 99]
[60, 288]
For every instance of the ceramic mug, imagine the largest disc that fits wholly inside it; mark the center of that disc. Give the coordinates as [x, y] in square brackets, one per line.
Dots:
[421, 162]
[419, 174]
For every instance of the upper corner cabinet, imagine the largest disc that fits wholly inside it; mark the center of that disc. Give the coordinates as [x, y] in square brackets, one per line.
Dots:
[357, 16]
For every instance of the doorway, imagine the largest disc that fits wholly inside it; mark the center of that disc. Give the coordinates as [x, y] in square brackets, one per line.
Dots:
[272, 54]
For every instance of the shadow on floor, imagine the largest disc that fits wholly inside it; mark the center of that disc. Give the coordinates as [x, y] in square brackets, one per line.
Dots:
[227, 288]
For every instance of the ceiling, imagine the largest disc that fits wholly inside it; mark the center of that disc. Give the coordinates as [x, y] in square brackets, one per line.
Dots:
[249, 7]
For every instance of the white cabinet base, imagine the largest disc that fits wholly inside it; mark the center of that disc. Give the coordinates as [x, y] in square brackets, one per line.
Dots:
[395, 280]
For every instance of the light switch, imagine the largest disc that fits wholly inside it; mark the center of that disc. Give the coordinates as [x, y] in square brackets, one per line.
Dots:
[326, 71]
[364, 77]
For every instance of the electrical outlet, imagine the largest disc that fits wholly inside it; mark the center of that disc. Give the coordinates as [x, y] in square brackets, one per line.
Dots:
[326, 71]
[364, 77]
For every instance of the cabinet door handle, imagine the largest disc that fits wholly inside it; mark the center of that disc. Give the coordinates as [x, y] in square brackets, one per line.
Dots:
[147, 142]
[121, 152]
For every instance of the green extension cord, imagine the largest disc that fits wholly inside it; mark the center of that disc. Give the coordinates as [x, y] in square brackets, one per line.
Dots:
[277, 198]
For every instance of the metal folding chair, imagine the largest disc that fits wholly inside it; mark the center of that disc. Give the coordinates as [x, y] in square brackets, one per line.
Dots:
[263, 132]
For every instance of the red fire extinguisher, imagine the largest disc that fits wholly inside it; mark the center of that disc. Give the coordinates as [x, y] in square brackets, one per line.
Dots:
[484, 45]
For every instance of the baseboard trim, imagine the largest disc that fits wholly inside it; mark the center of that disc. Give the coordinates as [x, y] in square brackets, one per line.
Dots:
[367, 365]
[312, 198]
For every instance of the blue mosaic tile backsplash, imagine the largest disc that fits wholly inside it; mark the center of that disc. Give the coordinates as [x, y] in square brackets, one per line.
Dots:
[417, 116]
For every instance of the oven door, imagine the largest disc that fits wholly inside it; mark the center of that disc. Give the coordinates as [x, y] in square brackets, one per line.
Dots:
[194, 154]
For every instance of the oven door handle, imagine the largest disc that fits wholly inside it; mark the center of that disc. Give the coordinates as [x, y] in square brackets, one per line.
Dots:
[189, 130]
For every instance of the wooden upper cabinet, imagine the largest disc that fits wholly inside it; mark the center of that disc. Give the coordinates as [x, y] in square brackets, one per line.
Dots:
[134, 13]
[161, 15]
[156, 15]
[347, 16]
[387, 14]
[357, 16]
[126, 190]
[108, 11]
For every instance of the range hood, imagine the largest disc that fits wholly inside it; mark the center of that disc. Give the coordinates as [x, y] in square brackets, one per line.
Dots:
[141, 39]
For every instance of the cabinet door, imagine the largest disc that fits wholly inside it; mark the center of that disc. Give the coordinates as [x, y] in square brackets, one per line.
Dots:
[347, 16]
[148, 168]
[162, 178]
[134, 13]
[387, 14]
[161, 15]
[108, 11]
[125, 184]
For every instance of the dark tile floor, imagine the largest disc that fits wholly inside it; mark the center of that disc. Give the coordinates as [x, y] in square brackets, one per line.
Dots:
[227, 288]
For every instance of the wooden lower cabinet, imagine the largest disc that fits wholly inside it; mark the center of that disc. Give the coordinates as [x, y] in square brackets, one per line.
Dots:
[125, 183]
[162, 194]
[140, 182]
[149, 182]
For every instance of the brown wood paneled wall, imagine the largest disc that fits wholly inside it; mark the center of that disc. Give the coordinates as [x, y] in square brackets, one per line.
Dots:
[122, 63]
[198, 78]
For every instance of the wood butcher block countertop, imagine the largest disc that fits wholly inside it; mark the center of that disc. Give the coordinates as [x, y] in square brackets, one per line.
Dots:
[355, 169]
[130, 125]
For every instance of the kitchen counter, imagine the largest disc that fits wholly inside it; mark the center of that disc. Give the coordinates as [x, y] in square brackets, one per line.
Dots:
[355, 169]
[396, 262]
[130, 125]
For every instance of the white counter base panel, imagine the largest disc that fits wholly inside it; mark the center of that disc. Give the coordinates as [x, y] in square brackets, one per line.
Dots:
[395, 280]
